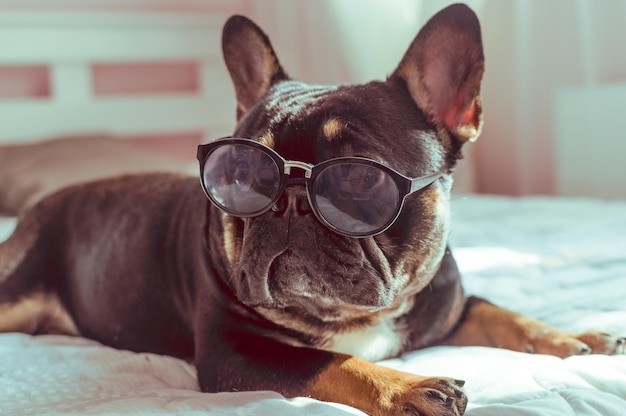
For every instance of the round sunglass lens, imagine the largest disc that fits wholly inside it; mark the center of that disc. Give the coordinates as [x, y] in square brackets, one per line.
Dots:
[241, 179]
[356, 198]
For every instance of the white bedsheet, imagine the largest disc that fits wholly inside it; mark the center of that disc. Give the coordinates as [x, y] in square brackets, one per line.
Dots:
[560, 260]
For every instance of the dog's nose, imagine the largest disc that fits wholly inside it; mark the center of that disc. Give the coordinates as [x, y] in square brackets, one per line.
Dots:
[302, 205]
[296, 199]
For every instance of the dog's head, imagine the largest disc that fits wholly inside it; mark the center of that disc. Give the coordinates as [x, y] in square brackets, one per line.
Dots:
[285, 263]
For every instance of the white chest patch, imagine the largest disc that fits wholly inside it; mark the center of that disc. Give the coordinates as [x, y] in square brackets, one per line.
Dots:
[373, 343]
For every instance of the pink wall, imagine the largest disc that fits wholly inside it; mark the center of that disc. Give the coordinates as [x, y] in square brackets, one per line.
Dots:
[24, 81]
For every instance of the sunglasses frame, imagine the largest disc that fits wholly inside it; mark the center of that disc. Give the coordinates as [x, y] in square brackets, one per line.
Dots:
[405, 184]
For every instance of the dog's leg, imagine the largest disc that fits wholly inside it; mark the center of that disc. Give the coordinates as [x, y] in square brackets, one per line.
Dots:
[382, 391]
[27, 302]
[21, 297]
[486, 324]
[250, 362]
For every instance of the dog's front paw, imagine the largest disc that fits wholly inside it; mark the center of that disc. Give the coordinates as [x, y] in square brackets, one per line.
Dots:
[431, 397]
[603, 343]
[562, 344]
[382, 391]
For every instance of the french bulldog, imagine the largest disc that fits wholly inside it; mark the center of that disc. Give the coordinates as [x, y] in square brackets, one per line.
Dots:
[314, 245]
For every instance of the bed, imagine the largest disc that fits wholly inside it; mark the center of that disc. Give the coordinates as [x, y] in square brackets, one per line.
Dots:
[562, 260]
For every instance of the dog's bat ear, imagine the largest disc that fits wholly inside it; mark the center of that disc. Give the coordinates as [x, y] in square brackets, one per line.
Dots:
[251, 61]
[443, 70]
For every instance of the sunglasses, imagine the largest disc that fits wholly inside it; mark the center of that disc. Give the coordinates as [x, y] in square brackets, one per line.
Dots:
[353, 196]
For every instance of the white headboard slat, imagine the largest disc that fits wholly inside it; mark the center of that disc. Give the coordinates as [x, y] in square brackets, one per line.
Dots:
[35, 120]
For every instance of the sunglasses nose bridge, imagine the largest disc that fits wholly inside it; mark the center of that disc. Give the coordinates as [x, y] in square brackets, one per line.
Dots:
[306, 167]
[301, 203]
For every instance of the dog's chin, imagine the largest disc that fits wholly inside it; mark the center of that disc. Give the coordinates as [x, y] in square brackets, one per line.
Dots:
[316, 313]
[293, 310]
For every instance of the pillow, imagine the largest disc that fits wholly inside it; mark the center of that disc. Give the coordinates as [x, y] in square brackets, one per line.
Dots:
[31, 171]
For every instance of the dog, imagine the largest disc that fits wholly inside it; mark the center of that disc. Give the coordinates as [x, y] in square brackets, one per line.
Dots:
[315, 244]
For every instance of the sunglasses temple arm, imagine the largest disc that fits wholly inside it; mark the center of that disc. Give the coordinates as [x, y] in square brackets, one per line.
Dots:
[424, 181]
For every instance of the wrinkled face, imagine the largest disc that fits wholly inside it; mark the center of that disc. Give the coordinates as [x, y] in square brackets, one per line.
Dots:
[285, 263]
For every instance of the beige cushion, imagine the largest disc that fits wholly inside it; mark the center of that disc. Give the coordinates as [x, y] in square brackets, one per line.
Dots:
[29, 172]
